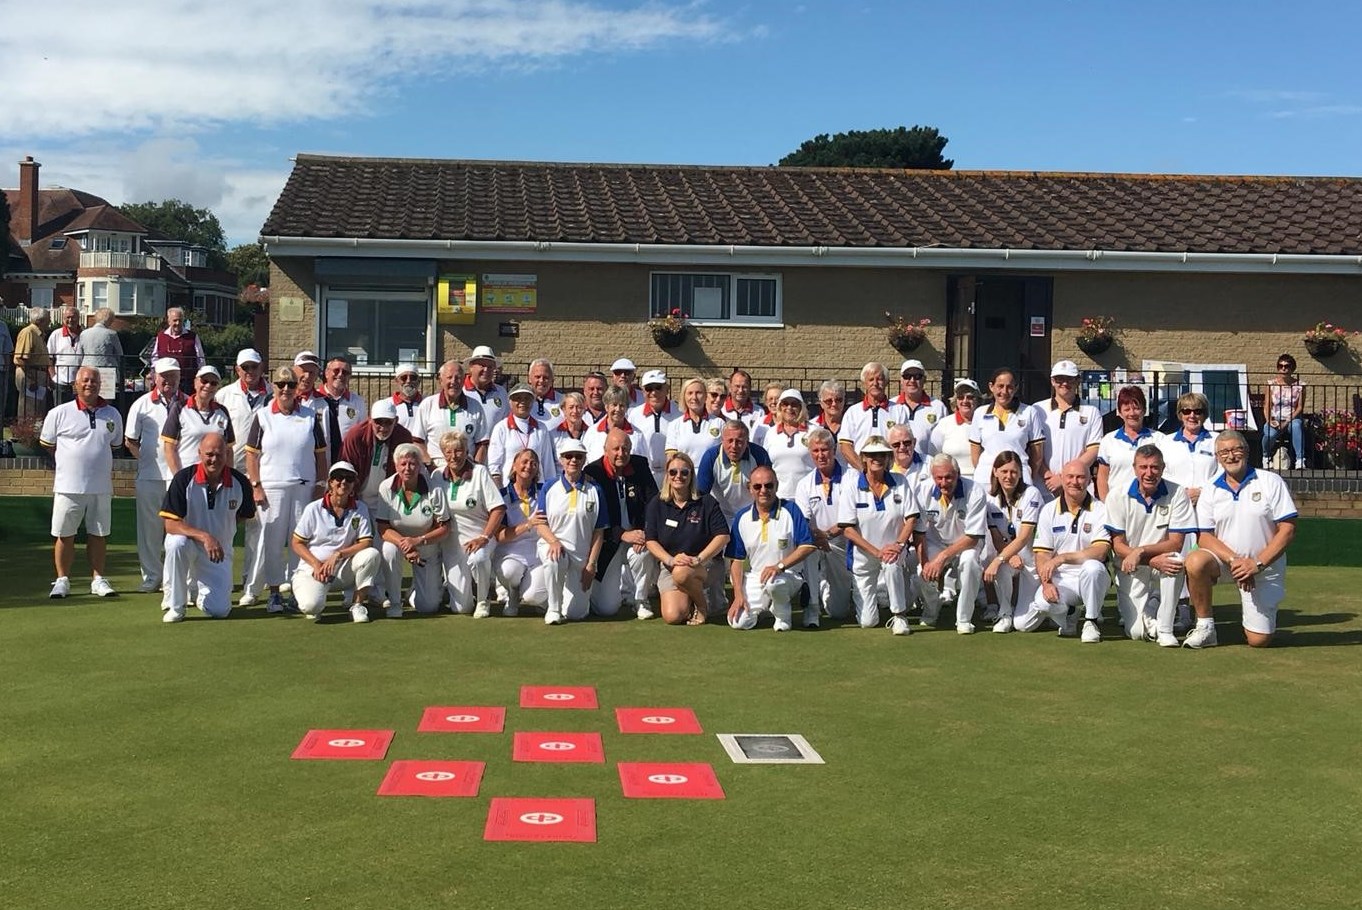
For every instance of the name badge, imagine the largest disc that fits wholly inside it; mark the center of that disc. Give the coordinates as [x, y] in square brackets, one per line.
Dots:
[672, 522]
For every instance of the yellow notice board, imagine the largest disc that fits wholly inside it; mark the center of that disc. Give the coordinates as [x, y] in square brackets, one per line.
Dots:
[510, 293]
[456, 299]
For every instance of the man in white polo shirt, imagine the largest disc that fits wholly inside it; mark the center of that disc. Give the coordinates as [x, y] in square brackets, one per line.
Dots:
[334, 545]
[247, 394]
[571, 535]
[652, 419]
[1148, 522]
[1072, 543]
[548, 402]
[873, 416]
[406, 398]
[818, 496]
[451, 409]
[191, 420]
[83, 434]
[919, 409]
[1246, 520]
[201, 510]
[951, 526]
[146, 419]
[481, 384]
[1072, 430]
[767, 543]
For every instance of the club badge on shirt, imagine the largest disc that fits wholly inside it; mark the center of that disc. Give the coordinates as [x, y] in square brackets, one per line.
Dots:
[350, 413]
[931, 418]
[714, 431]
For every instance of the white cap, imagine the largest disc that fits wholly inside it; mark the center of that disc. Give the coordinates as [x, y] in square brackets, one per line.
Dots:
[248, 355]
[405, 368]
[791, 395]
[384, 408]
[966, 383]
[875, 444]
[568, 444]
[340, 466]
[483, 352]
[1065, 368]
[624, 363]
[307, 359]
[911, 365]
[208, 370]
[165, 365]
[654, 377]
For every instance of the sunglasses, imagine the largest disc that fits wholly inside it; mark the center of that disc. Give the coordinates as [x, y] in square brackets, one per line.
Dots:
[908, 444]
[343, 478]
[384, 421]
[408, 379]
[1187, 412]
[758, 487]
[209, 380]
[286, 385]
[1283, 366]
[916, 376]
[249, 366]
[831, 401]
[574, 456]
[678, 472]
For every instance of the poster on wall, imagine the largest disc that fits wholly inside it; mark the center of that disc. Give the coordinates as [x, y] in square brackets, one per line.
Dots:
[456, 299]
[510, 293]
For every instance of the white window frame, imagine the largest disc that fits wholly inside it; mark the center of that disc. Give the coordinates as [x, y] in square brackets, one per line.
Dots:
[326, 293]
[1195, 383]
[733, 321]
[97, 302]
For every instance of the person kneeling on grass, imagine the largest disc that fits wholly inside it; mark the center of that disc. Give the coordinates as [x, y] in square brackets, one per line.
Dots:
[334, 543]
[201, 510]
[1072, 543]
[413, 518]
[571, 535]
[952, 524]
[766, 544]
[1246, 520]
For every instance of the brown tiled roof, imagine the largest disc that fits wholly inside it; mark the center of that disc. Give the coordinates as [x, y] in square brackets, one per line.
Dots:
[62, 210]
[418, 199]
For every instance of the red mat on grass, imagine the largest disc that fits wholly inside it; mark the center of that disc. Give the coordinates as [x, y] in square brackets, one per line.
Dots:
[432, 778]
[583, 697]
[541, 819]
[669, 780]
[559, 747]
[462, 719]
[369, 745]
[657, 720]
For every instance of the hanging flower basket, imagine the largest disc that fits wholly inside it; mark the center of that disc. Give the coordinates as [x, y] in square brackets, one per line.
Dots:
[671, 330]
[1322, 347]
[670, 338]
[905, 335]
[1092, 345]
[1095, 334]
[1326, 339]
[905, 344]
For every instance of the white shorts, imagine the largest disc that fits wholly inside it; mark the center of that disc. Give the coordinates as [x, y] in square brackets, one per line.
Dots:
[1260, 604]
[69, 509]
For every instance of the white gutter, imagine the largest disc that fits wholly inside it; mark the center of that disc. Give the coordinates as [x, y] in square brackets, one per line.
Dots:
[864, 257]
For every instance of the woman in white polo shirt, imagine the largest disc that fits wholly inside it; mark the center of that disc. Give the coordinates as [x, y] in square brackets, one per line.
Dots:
[1006, 425]
[334, 544]
[696, 429]
[1013, 509]
[571, 534]
[476, 511]
[413, 519]
[518, 568]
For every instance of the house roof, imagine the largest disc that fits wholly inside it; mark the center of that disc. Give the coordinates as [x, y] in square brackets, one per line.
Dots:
[62, 211]
[423, 199]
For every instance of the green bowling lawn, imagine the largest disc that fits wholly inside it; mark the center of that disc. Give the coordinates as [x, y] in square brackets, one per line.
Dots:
[147, 766]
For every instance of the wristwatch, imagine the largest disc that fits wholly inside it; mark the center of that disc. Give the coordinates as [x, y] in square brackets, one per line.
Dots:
[1259, 563]
[780, 567]
[256, 483]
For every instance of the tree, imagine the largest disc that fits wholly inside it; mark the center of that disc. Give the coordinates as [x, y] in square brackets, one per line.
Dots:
[181, 221]
[250, 264]
[916, 147]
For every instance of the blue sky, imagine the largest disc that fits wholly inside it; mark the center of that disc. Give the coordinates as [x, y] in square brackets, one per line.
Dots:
[227, 94]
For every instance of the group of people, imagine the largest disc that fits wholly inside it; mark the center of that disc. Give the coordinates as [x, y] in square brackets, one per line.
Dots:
[639, 494]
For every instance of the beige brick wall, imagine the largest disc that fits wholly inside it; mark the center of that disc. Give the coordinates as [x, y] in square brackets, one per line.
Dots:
[29, 476]
[291, 278]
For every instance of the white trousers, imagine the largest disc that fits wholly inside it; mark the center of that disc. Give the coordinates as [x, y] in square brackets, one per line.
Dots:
[566, 596]
[633, 570]
[359, 572]
[829, 580]
[426, 581]
[869, 573]
[775, 596]
[1021, 582]
[184, 556]
[251, 533]
[1085, 584]
[275, 559]
[1147, 595]
[151, 528]
[523, 583]
[969, 574]
[463, 572]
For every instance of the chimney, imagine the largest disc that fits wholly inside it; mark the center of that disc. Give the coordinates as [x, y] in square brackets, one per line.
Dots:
[26, 218]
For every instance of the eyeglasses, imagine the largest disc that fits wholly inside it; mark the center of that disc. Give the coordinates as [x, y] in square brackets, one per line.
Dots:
[209, 380]
[905, 444]
[1236, 450]
[1283, 366]
[384, 421]
[678, 472]
[343, 478]
[828, 402]
[573, 456]
[409, 379]
[248, 367]
[286, 385]
[917, 377]
[758, 487]
[623, 372]
[965, 396]
[1187, 412]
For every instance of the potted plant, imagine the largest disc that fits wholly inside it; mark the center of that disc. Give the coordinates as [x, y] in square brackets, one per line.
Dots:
[1326, 339]
[904, 335]
[670, 331]
[1095, 336]
[1339, 438]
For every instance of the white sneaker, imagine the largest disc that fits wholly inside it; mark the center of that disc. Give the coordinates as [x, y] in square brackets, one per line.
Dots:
[392, 610]
[899, 626]
[553, 618]
[100, 587]
[645, 612]
[482, 610]
[1151, 629]
[1300, 464]
[359, 613]
[286, 589]
[781, 625]
[1004, 624]
[247, 600]
[1203, 636]
[173, 614]
[61, 588]
[1068, 625]
[964, 628]
[1167, 640]
[1091, 634]
[148, 587]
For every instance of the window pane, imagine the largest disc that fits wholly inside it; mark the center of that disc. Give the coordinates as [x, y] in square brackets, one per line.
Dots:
[698, 296]
[371, 329]
[756, 297]
[100, 294]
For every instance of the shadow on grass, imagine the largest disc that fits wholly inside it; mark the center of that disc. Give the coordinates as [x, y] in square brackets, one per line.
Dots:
[1290, 638]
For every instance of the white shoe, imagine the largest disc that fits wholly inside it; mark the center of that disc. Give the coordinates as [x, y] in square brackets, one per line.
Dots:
[964, 628]
[100, 587]
[1300, 464]
[1167, 640]
[645, 612]
[148, 587]
[1068, 625]
[1151, 629]
[392, 610]
[285, 589]
[1091, 634]
[359, 613]
[781, 625]
[1203, 636]
[928, 621]
[1004, 624]
[173, 614]
[553, 618]
[899, 626]
[482, 610]
[61, 588]
[247, 600]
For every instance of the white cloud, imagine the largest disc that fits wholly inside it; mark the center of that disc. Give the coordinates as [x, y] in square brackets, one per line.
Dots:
[1319, 111]
[142, 66]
